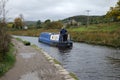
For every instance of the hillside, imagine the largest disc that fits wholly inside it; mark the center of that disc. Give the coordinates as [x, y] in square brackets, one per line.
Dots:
[30, 22]
[83, 19]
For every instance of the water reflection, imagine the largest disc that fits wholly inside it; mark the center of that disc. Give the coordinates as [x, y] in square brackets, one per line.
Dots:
[64, 49]
[114, 61]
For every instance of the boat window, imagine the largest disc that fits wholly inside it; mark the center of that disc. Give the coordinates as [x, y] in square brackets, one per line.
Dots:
[54, 37]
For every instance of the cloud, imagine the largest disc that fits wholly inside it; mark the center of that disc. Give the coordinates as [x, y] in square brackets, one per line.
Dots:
[57, 9]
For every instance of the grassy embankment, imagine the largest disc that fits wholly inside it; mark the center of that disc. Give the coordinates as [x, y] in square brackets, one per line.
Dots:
[102, 34]
[9, 60]
[27, 43]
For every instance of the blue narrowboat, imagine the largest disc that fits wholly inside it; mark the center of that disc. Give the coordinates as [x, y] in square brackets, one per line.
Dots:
[55, 39]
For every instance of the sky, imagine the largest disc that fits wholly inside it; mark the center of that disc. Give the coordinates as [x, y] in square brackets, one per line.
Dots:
[34, 10]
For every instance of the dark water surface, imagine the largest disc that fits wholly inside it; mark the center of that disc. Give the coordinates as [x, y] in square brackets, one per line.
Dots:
[88, 62]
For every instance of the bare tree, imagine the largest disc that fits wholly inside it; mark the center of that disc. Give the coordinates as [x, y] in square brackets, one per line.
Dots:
[4, 37]
[3, 11]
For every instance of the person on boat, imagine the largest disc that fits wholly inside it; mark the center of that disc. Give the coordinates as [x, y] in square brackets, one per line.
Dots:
[63, 34]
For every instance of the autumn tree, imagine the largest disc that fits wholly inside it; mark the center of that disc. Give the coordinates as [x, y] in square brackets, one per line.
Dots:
[114, 12]
[54, 25]
[18, 23]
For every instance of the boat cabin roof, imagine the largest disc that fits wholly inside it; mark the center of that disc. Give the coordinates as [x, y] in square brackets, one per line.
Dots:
[50, 36]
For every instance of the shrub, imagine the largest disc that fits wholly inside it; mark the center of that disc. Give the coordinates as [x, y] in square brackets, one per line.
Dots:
[4, 43]
[9, 60]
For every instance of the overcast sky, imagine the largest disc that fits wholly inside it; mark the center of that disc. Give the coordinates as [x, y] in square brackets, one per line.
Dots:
[56, 9]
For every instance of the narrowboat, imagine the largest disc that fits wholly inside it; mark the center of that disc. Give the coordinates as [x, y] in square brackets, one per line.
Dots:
[55, 39]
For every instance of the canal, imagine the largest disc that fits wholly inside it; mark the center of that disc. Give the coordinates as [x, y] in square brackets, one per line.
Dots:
[88, 62]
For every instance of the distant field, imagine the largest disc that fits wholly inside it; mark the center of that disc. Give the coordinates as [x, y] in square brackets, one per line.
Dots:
[99, 27]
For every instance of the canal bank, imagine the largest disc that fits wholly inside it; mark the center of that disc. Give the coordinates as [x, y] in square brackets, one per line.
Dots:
[31, 64]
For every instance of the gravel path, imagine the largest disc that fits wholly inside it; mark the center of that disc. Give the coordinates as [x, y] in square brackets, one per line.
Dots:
[31, 64]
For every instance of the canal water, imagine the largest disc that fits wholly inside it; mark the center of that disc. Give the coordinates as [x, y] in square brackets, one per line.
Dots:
[88, 62]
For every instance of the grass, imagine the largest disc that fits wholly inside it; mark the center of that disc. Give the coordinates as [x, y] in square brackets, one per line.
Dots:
[19, 39]
[73, 75]
[101, 38]
[102, 34]
[99, 27]
[27, 43]
[56, 62]
[8, 62]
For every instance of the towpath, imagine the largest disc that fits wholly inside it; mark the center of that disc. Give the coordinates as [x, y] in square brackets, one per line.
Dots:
[31, 64]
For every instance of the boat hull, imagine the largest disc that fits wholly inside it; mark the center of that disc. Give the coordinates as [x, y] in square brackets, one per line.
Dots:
[46, 38]
[58, 44]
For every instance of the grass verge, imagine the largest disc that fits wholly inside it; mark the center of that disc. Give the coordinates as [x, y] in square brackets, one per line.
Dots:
[27, 43]
[8, 62]
[56, 62]
[73, 75]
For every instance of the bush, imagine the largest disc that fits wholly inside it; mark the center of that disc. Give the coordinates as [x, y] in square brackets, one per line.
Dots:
[9, 60]
[4, 43]
[53, 25]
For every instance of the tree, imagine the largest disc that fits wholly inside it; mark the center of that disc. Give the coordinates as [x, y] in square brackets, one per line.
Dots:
[48, 24]
[38, 24]
[54, 25]
[18, 23]
[22, 18]
[3, 12]
[114, 12]
[47, 21]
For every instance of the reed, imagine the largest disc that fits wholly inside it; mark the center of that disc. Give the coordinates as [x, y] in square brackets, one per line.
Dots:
[94, 37]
